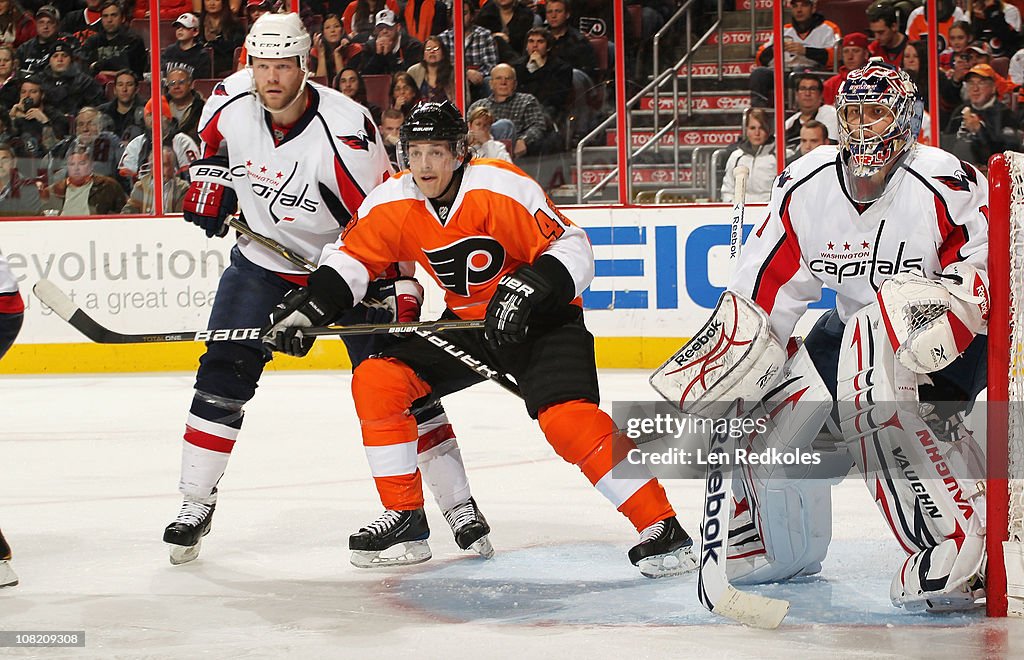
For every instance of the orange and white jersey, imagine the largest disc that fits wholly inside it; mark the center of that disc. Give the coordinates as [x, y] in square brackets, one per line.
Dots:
[500, 220]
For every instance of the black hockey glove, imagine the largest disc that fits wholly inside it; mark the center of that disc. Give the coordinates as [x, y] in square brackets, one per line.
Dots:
[518, 295]
[210, 198]
[325, 298]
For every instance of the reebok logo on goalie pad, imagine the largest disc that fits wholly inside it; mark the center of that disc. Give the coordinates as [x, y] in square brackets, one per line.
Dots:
[697, 344]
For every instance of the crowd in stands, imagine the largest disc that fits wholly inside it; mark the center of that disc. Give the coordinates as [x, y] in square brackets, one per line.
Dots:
[75, 81]
[981, 62]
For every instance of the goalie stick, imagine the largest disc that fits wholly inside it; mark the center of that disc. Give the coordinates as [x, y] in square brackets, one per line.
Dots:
[713, 588]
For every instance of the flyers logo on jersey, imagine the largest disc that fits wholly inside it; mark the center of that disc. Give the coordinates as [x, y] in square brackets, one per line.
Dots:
[468, 262]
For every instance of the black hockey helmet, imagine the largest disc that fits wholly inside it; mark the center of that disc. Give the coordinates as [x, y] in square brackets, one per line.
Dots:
[435, 122]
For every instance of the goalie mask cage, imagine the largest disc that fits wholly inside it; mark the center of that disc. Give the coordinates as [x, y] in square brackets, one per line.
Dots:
[1005, 435]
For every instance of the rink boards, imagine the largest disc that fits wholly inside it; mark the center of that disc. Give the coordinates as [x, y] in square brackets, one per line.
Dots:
[658, 273]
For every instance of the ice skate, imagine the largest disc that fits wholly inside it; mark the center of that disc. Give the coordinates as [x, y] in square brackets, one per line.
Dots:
[397, 538]
[470, 528]
[185, 534]
[664, 550]
[8, 578]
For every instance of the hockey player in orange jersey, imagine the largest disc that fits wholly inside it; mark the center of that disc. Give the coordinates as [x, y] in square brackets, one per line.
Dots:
[503, 253]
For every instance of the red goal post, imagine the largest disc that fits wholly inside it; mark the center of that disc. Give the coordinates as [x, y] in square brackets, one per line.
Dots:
[1005, 432]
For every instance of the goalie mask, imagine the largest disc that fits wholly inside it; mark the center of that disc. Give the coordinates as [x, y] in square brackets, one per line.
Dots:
[434, 122]
[880, 116]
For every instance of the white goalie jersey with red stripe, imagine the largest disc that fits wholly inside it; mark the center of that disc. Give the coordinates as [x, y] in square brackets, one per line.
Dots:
[302, 188]
[10, 299]
[934, 212]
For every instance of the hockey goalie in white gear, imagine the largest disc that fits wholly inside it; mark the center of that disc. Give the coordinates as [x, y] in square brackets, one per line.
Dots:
[904, 246]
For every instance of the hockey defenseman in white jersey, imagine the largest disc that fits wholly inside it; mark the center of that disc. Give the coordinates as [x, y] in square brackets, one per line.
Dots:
[12, 313]
[297, 159]
[899, 231]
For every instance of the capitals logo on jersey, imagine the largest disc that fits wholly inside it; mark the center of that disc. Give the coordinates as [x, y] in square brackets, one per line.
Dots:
[469, 262]
[361, 140]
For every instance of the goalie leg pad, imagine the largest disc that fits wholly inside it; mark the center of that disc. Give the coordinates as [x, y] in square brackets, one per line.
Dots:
[734, 356]
[947, 577]
[929, 497]
[789, 505]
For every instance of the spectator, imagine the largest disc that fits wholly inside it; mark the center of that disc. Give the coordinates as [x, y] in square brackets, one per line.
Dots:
[17, 195]
[959, 39]
[949, 14]
[221, 32]
[328, 52]
[16, 25]
[9, 81]
[434, 74]
[889, 41]
[124, 112]
[855, 55]
[757, 152]
[390, 51]
[5, 129]
[186, 103]
[915, 63]
[547, 77]
[35, 125]
[256, 8]
[983, 125]
[67, 88]
[103, 146]
[360, 17]
[479, 54]
[138, 152]
[569, 44]
[810, 105]
[81, 24]
[979, 52]
[35, 53]
[352, 85]
[83, 192]
[481, 143]
[813, 134]
[186, 52]
[423, 18]
[405, 93]
[115, 47]
[808, 41]
[509, 22]
[142, 198]
[391, 121]
[997, 23]
[525, 126]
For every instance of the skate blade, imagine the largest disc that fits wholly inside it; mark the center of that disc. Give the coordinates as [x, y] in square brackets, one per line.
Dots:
[679, 562]
[483, 547]
[8, 578]
[400, 554]
[182, 554]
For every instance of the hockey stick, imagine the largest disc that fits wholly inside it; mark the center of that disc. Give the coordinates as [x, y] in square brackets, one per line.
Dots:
[235, 222]
[427, 334]
[51, 295]
[713, 589]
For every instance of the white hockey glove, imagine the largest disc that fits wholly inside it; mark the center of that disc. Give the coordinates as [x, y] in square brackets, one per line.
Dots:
[931, 322]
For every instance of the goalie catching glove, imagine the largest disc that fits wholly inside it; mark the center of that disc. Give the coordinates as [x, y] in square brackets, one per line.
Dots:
[325, 298]
[931, 322]
[210, 198]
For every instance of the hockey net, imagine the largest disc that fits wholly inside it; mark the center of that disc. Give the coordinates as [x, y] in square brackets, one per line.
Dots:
[1005, 487]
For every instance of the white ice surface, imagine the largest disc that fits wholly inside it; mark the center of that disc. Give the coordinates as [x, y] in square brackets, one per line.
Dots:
[89, 468]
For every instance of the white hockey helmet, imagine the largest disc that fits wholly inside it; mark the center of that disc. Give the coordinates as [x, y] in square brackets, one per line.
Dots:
[279, 36]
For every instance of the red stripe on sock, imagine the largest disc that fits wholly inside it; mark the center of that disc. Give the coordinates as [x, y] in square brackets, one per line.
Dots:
[431, 439]
[208, 441]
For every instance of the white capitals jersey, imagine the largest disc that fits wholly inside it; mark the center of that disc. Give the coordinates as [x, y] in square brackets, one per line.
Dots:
[7, 282]
[933, 213]
[303, 187]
